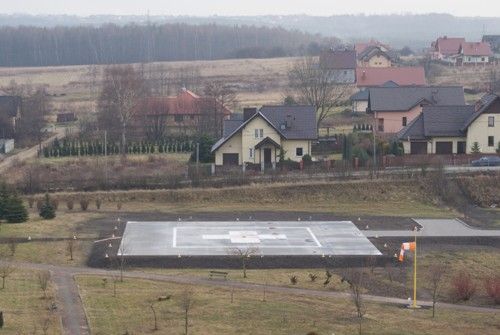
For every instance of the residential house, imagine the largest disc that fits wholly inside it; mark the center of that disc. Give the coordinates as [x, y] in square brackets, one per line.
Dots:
[376, 56]
[10, 112]
[184, 113]
[393, 108]
[341, 65]
[263, 135]
[474, 53]
[359, 100]
[362, 46]
[454, 129]
[377, 76]
[445, 48]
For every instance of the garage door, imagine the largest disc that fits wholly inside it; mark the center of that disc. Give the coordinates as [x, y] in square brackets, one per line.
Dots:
[444, 148]
[230, 159]
[418, 148]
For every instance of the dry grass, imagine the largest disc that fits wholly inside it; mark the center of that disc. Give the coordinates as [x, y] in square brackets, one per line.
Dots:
[24, 307]
[213, 313]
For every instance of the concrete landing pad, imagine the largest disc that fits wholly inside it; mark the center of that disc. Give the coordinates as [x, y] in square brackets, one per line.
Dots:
[266, 238]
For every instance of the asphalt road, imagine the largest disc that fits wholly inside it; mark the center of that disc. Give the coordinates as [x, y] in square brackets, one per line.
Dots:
[436, 228]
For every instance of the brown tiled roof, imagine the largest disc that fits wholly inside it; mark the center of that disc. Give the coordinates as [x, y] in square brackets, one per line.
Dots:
[376, 76]
[338, 59]
[448, 45]
[360, 47]
[476, 49]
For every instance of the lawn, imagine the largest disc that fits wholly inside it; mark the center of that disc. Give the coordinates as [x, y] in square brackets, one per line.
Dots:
[24, 307]
[213, 312]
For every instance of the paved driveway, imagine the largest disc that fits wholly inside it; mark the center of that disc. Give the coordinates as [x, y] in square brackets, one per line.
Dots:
[437, 228]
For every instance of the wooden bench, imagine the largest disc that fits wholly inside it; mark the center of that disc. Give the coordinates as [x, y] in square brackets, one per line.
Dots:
[220, 274]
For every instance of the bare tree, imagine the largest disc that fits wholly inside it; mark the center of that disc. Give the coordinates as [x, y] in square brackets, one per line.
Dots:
[186, 303]
[123, 88]
[12, 246]
[219, 96]
[70, 247]
[121, 259]
[435, 276]
[315, 86]
[5, 271]
[355, 279]
[43, 281]
[243, 254]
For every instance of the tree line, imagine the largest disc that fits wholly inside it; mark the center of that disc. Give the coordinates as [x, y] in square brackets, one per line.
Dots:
[133, 43]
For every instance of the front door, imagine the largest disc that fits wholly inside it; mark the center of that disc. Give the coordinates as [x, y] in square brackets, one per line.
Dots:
[267, 156]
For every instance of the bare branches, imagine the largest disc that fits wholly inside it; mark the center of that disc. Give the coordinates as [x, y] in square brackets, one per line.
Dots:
[43, 281]
[435, 276]
[355, 279]
[243, 254]
[315, 86]
[186, 303]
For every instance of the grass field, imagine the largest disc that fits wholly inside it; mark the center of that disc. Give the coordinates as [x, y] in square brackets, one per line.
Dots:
[213, 312]
[24, 307]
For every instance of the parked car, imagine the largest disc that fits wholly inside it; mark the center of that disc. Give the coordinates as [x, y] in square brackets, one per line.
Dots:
[487, 161]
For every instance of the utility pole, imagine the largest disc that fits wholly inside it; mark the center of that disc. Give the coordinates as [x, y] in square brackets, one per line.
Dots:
[197, 153]
[374, 152]
[105, 157]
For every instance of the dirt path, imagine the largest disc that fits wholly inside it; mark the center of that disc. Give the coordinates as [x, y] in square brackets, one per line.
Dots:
[69, 303]
[29, 153]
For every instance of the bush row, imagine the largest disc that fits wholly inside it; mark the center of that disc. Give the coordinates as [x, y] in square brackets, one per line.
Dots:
[75, 147]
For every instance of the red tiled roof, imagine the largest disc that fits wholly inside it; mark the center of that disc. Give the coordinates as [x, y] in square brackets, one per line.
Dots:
[476, 49]
[448, 45]
[376, 76]
[185, 103]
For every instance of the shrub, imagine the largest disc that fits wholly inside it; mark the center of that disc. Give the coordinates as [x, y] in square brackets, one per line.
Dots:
[84, 204]
[47, 210]
[293, 280]
[98, 203]
[492, 287]
[119, 205]
[475, 148]
[55, 203]
[463, 287]
[307, 160]
[69, 204]
[313, 277]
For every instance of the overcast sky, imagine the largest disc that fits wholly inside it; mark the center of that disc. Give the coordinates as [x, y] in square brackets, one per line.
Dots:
[251, 7]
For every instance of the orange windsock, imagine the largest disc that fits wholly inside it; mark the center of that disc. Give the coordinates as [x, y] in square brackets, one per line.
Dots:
[406, 246]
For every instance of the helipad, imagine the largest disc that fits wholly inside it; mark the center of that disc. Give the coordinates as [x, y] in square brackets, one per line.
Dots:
[216, 238]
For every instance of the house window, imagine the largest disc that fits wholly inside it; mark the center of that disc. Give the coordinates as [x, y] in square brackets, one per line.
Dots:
[404, 121]
[482, 59]
[250, 152]
[261, 133]
[299, 152]
[491, 141]
[256, 133]
[491, 121]
[178, 118]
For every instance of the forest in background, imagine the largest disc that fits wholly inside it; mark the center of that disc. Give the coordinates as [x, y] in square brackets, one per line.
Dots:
[133, 43]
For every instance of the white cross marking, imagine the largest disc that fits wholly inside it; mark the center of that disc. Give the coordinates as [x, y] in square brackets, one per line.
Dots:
[244, 237]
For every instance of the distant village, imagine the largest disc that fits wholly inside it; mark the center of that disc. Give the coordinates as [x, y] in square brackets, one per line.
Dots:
[396, 99]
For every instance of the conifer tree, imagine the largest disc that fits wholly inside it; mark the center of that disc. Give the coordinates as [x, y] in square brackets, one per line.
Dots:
[47, 211]
[15, 211]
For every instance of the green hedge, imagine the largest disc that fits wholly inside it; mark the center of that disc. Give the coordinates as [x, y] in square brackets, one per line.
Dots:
[75, 147]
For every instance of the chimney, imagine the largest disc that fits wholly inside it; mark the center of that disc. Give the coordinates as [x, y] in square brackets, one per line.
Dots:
[248, 112]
